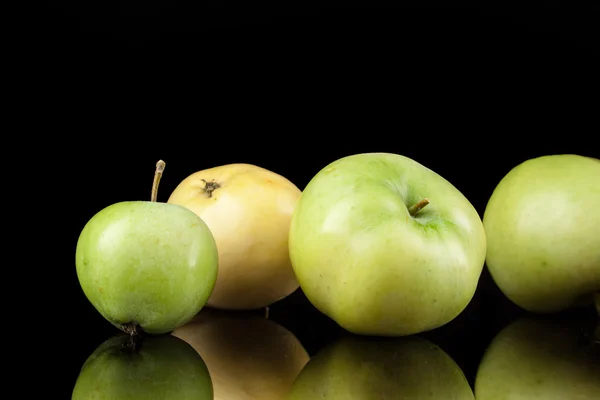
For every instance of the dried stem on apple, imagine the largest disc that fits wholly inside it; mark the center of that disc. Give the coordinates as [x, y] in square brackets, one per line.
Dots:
[160, 168]
[210, 187]
[415, 208]
[132, 328]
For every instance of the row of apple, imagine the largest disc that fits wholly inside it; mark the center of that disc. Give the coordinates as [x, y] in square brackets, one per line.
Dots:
[378, 242]
[228, 356]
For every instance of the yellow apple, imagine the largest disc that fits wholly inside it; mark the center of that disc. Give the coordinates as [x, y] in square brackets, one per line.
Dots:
[248, 209]
[248, 356]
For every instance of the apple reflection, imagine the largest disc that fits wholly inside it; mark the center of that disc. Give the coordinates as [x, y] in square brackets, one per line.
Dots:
[361, 368]
[248, 356]
[156, 367]
[540, 359]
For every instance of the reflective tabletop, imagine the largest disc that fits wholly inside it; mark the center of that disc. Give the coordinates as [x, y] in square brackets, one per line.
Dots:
[491, 351]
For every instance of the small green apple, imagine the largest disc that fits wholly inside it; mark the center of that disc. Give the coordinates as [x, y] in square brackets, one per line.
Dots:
[361, 368]
[147, 266]
[385, 246]
[248, 356]
[157, 367]
[539, 360]
[542, 224]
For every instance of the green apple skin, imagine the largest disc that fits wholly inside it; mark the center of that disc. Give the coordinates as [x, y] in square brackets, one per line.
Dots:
[539, 360]
[542, 224]
[163, 368]
[365, 262]
[147, 263]
[360, 368]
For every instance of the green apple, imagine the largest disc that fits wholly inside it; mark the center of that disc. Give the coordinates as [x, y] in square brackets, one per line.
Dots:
[542, 224]
[361, 368]
[160, 367]
[539, 360]
[385, 246]
[248, 356]
[147, 266]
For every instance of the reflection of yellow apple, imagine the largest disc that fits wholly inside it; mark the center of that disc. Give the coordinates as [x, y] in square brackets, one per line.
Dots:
[539, 360]
[248, 356]
[248, 210]
[356, 368]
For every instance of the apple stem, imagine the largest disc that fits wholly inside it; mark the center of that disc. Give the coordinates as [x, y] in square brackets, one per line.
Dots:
[160, 167]
[132, 328]
[210, 187]
[415, 208]
[267, 312]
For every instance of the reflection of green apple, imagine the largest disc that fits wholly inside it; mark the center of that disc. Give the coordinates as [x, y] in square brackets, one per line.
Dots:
[148, 265]
[248, 356]
[539, 360]
[356, 368]
[542, 224]
[162, 368]
[385, 246]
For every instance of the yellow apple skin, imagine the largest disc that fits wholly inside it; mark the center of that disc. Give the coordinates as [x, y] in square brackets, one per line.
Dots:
[248, 356]
[249, 213]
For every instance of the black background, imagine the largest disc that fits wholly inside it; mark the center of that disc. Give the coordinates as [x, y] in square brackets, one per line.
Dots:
[467, 90]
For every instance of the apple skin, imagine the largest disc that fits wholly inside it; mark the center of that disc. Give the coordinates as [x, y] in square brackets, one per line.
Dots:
[248, 356]
[542, 224]
[360, 368]
[164, 368]
[365, 262]
[249, 214]
[539, 360]
[147, 263]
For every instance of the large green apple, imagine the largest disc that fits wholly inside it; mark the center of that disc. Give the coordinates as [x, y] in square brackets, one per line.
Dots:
[542, 224]
[162, 367]
[248, 356]
[147, 266]
[361, 368]
[385, 246]
[539, 360]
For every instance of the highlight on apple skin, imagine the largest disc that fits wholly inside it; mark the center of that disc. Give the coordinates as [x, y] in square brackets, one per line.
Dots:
[147, 267]
[385, 246]
[542, 224]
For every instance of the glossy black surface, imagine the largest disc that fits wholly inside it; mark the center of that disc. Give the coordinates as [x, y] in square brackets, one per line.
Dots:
[468, 90]
[261, 353]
